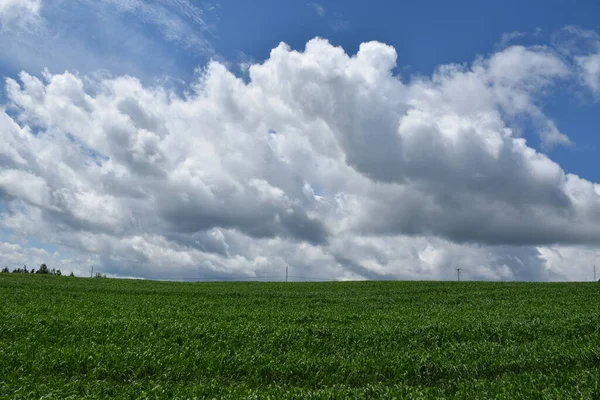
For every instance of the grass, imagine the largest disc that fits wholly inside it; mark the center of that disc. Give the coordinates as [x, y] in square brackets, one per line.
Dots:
[76, 338]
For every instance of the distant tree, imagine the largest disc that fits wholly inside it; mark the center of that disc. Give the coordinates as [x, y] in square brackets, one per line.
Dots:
[25, 269]
[32, 271]
[5, 270]
[71, 274]
[58, 272]
[43, 270]
[98, 275]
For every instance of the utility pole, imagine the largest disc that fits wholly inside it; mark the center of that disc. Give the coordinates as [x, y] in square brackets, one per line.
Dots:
[458, 272]
[286, 273]
[594, 272]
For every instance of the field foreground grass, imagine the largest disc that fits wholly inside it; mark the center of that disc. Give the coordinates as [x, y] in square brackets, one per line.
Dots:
[64, 337]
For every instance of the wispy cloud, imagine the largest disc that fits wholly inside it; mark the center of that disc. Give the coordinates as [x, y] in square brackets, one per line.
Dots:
[337, 21]
[590, 70]
[319, 9]
[508, 37]
[583, 46]
[22, 13]
[179, 21]
[147, 39]
[340, 24]
[13, 7]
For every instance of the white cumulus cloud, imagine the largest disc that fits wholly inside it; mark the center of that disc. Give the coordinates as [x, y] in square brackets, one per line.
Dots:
[322, 160]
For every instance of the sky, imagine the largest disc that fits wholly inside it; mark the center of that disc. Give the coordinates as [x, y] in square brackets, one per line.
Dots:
[199, 140]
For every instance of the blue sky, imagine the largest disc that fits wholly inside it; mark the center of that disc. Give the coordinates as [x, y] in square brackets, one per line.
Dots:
[297, 162]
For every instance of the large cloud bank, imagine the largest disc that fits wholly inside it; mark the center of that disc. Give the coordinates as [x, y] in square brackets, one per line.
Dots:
[321, 160]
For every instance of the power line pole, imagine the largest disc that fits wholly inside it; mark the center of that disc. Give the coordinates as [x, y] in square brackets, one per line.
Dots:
[92, 273]
[458, 272]
[286, 273]
[594, 272]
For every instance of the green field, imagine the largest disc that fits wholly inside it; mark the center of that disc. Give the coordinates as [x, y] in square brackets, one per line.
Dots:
[64, 337]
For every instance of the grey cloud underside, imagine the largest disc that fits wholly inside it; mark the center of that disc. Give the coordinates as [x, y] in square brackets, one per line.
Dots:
[253, 220]
[317, 154]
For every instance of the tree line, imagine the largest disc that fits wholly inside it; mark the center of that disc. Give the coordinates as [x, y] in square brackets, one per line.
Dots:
[42, 270]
